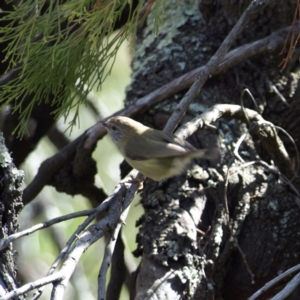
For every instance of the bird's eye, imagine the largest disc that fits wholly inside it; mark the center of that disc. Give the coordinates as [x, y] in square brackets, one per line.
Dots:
[114, 128]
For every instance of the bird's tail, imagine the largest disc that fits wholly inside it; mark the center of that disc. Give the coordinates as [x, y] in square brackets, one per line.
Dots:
[210, 153]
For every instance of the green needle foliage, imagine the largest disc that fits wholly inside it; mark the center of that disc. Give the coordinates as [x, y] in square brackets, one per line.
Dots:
[61, 48]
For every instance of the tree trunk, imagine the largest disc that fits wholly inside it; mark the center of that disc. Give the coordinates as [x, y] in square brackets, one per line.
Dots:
[188, 247]
[10, 207]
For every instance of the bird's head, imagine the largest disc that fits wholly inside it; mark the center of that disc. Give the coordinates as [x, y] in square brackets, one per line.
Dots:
[121, 128]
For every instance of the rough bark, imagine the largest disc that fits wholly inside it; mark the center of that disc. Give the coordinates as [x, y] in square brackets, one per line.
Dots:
[177, 260]
[10, 206]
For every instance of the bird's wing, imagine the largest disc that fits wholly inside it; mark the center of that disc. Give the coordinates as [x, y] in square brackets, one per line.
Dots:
[157, 144]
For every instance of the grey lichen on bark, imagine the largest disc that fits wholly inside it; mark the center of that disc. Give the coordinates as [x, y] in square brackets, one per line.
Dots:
[158, 59]
[10, 206]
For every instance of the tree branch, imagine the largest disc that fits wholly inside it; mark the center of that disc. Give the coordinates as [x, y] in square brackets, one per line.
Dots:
[115, 208]
[96, 132]
[213, 64]
[6, 241]
[109, 249]
[102, 207]
[265, 130]
[274, 281]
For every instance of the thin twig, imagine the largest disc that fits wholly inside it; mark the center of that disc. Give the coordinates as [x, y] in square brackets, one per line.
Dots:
[6, 241]
[295, 147]
[291, 39]
[276, 91]
[288, 289]
[236, 148]
[31, 286]
[276, 150]
[102, 207]
[265, 130]
[274, 281]
[90, 236]
[243, 106]
[96, 231]
[109, 249]
[277, 127]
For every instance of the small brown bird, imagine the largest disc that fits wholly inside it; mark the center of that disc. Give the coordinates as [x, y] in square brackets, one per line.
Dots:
[154, 153]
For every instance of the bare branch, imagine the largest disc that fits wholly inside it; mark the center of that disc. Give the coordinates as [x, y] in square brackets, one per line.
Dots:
[275, 281]
[265, 130]
[102, 207]
[213, 64]
[31, 286]
[6, 241]
[84, 241]
[91, 235]
[115, 213]
[289, 288]
[109, 249]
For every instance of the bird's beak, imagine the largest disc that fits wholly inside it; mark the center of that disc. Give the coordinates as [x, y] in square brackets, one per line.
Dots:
[103, 123]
